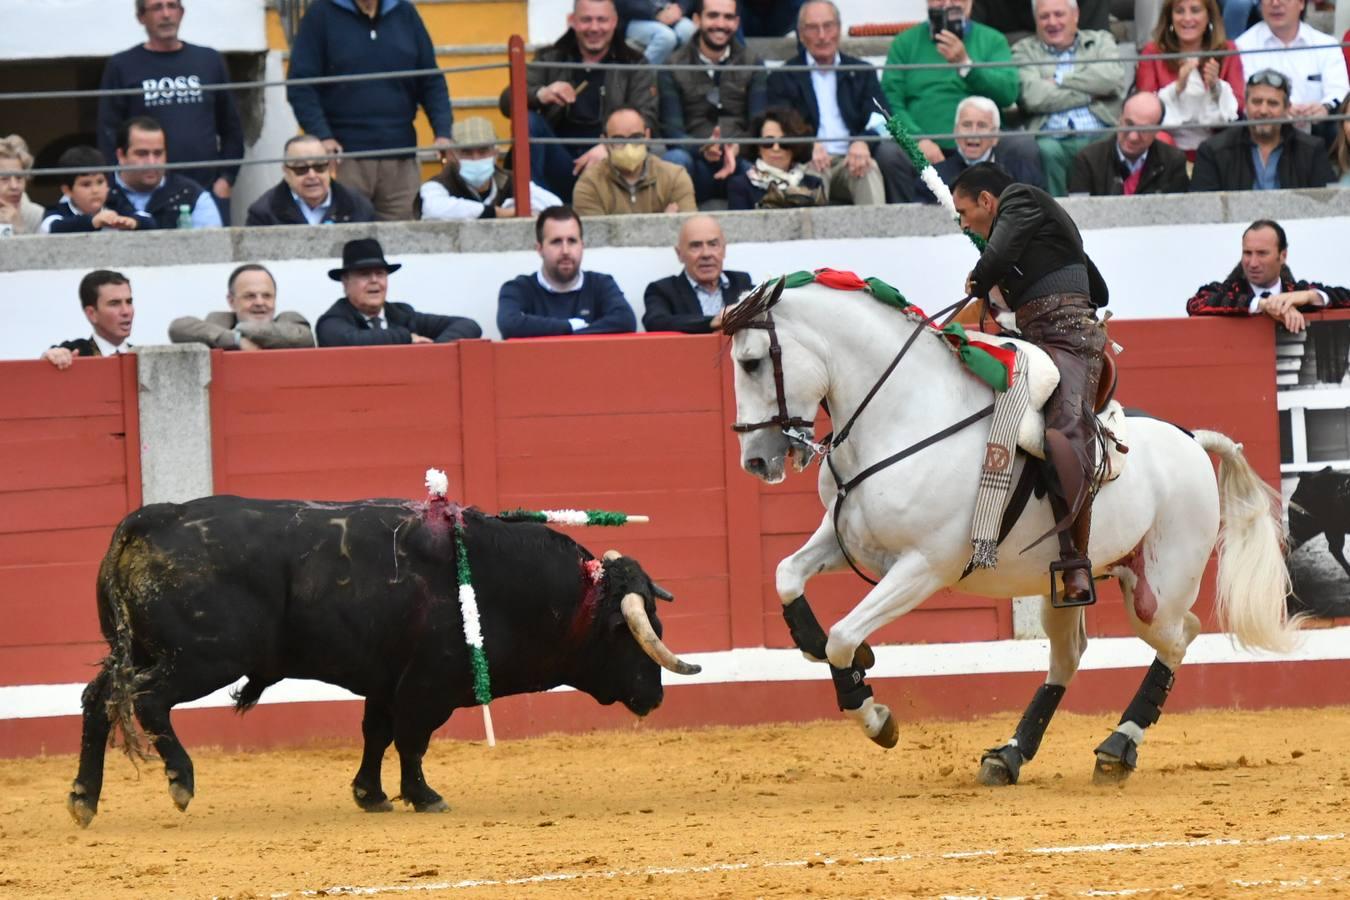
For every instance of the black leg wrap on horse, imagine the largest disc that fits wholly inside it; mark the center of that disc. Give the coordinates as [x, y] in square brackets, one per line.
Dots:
[804, 628]
[1148, 701]
[1122, 747]
[1011, 759]
[849, 687]
[1034, 721]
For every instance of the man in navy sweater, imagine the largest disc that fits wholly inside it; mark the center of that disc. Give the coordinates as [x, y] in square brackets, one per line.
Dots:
[560, 298]
[201, 126]
[355, 37]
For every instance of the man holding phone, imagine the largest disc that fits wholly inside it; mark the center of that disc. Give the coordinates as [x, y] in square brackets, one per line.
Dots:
[925, 100]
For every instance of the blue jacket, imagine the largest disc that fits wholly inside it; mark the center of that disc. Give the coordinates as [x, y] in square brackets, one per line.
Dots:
[525, 309]
[336, 38]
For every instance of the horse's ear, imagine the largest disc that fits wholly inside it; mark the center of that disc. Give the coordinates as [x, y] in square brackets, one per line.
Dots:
[776, 292]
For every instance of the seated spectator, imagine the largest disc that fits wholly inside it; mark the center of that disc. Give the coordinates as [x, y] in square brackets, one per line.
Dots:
[1236, 15]
[1196, 92]
[168, 199]
[576, 103]
[560, 298]
[693, 300]
[18, 214]
[1061, 95]
[1262, 283]
[840, 107]
[307, 194]
[84, 199]
[1131, 162]
[779, 175]
[768, 18]
[631, 180]
[1316, 73]
[251, 323]
[472, 185]
[1262, 157]
[1006, 16]
[925, 100]
[364, 317]
[710, 104]
[105, 298]
[1340, 149]
[657, 26]
[977, 116]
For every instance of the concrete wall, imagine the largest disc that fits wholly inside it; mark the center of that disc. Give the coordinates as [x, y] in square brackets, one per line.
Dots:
[1154, 251]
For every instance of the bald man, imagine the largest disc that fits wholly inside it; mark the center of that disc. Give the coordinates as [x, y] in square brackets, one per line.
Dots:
[1132, 161]
[692, 301]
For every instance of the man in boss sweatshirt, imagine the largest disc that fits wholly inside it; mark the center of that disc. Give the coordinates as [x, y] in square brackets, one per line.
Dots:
[360, 37]
[200, 125]
[560, 298]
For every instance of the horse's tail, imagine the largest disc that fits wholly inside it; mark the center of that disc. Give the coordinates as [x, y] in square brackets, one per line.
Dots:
[1253, 581]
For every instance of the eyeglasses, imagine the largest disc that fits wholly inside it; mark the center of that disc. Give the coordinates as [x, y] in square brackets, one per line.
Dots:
[318, 168]
[1269, 78]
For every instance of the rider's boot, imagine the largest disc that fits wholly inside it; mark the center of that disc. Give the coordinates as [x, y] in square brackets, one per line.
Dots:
[1078, 581]
[1077, 501]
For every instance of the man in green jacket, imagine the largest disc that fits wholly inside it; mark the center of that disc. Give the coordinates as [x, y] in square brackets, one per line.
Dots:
[925, 100]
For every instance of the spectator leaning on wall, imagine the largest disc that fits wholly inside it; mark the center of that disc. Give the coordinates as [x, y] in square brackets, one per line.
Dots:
[692, 301]
[105, 298]
[362, 37]
[252, 321]
[630, 179]
[170, 200]
[199, 125]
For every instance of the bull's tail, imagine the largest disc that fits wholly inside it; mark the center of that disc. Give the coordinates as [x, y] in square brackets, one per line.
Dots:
[1253, 581]
[114, 596]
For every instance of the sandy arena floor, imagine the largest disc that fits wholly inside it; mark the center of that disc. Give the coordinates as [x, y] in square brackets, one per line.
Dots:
[1225, 804]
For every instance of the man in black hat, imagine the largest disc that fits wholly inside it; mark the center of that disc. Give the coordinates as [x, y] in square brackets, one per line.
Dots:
[363, 317]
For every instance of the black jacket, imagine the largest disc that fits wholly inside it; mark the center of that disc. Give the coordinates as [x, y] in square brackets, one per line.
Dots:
[1224, 162]
[80, 347]
[633, 86]
[343, 326]
[1233, 295]
[858, 93]
[1097, 170]
[1031, 237]
[673, 306]
[687, 109]
[173, 192]
[277, 207]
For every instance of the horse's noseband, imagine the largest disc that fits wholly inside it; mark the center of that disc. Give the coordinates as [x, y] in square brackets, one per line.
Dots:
[786, 423]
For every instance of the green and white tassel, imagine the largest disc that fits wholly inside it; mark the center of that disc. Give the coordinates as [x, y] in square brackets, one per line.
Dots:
[929, 175]
[572, 517]
[468, 610]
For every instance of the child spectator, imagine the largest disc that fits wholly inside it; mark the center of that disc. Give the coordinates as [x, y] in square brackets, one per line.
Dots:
[84, 198]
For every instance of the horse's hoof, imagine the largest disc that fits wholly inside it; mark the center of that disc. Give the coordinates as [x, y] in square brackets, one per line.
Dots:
[181, 796]
[863, 657]
[1109, 771]
[1001, 766]
[376, 802]
[888, 735]
[1117, 757]
[435, 806]
[80, 809]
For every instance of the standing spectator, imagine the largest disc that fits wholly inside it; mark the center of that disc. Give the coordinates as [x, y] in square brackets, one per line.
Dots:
[692, 301]
[18, 214]
[1131, 162]
[307, 194]
[1317, 74]
[779, 175]
[199, 125]
[976, 117]
[169, 200]
[1196, 92]
[925, 100]
[560, 298]
[1059, 93]
[105, 299]
[710, 103]
[364, 317]
[251, 323]
[1262, 156]
[629, 179]
[768, 18]
[361, 37]
[658, 26]
[84, 199]
[1262, 283]
[1340, 149]
[576, 103]
[840, 107]
[471, 185]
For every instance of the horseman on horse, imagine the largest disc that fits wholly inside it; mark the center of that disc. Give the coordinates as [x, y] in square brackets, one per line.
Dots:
[1035, 257]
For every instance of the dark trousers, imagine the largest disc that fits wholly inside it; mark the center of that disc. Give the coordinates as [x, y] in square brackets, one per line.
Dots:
[551, 164]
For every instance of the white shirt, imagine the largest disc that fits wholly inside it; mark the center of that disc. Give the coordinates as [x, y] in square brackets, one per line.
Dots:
[107, 349]
[833, 130]
[1315, 76]
[313, 215]
[709, 301]
[1273, 290]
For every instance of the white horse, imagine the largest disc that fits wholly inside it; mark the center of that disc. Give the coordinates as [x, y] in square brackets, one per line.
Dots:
[1154, 527]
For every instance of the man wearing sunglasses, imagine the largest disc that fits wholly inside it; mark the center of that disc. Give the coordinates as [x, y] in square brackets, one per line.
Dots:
[200, 126]
[307, 194]
[1266, 155]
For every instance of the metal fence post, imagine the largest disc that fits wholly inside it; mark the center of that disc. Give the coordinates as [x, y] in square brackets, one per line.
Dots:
[520, 126]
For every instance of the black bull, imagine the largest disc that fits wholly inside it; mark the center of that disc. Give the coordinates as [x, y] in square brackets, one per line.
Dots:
[1321, 504]
[363, 595]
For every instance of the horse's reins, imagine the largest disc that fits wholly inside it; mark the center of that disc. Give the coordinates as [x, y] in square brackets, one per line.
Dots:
[795, 428]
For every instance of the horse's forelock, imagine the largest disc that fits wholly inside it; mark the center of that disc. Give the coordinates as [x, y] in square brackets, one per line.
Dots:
[751, 306]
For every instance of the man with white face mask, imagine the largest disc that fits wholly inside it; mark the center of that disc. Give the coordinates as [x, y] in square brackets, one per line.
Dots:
[472, 185]
[629, 179]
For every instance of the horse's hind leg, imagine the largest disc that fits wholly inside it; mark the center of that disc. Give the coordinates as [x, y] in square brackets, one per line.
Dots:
[819, 554]
[1068, 639]
[82, 801]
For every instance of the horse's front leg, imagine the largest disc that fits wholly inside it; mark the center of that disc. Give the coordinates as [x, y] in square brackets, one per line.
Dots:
[818, 555]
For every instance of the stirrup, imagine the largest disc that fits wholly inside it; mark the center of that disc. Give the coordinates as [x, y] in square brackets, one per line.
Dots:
[1068, 565]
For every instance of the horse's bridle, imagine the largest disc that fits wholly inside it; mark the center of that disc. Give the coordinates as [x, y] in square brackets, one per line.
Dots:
[793, 427]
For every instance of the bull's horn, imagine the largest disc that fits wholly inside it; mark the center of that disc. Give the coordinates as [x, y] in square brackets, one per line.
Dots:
[635, 613]
[661, 593]
[612, 554]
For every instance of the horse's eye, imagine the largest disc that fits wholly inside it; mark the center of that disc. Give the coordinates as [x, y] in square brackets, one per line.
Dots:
[751, 366]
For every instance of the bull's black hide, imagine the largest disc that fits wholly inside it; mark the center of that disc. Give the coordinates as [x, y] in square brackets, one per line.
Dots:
[1321, 505]
[364, 595]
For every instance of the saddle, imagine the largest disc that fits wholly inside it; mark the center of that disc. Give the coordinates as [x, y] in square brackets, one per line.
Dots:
[1042, 379]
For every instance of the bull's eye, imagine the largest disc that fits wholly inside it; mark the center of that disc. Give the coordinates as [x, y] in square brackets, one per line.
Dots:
[750, 366]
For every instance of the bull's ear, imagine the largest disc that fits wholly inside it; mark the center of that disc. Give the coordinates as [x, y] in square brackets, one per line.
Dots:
[611, 555]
